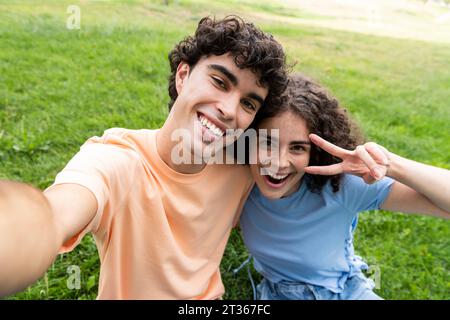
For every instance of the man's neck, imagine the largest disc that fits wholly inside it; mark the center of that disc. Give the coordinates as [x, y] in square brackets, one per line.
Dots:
[164, 146]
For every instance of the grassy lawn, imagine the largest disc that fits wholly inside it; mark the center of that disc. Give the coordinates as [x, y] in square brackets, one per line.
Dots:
[59, 87]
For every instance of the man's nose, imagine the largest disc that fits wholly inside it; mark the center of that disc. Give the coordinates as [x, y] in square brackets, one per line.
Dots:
[228, 106]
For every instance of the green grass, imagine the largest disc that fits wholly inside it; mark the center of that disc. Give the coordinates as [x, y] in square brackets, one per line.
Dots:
[58, 87]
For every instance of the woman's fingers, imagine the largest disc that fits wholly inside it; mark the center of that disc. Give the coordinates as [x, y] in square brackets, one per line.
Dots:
[370, 156]
[377, 152]
[325, 170]
[377, 171]
[328, 147]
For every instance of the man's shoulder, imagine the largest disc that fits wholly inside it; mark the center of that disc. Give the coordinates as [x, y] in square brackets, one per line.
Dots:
[124, 138]
[122, 134]
[117, 146]
[237, 174]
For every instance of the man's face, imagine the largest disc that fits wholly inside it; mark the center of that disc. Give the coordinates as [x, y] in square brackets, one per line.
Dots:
[213, 96]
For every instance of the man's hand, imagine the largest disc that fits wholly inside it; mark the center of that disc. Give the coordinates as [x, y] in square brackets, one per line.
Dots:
[28, 238]
[369, 161]
[33, 227]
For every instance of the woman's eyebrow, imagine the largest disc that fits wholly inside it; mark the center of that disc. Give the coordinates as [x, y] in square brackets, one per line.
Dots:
[301, 142]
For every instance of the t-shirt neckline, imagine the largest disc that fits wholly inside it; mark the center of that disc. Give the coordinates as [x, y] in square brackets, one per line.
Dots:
[168, 171]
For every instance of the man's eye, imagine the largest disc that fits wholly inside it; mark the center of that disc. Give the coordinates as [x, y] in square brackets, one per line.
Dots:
[220, 83]
[249, 105]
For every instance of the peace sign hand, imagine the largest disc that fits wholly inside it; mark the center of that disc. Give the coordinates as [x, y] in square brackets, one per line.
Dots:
[369, 161]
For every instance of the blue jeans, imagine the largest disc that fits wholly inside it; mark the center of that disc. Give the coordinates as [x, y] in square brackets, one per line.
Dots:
[356, 288]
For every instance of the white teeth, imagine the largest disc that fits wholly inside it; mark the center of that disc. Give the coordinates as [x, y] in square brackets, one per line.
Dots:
[218, 132]
[275, 176]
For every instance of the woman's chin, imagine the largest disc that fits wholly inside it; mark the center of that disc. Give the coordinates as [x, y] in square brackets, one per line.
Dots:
[270, 194]
[273, 196]
[289, 187]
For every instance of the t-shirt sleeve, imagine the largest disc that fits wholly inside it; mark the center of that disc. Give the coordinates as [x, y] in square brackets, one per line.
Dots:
[107, 170]
[357, 196]
[241, 204]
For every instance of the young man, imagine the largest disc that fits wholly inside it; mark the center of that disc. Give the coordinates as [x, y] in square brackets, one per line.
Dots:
[160, 226]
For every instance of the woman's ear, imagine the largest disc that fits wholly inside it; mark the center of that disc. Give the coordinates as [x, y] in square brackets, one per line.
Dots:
[181, 76]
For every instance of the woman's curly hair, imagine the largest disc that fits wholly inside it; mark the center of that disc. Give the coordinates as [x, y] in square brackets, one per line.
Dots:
[323, 116]
[250, 47]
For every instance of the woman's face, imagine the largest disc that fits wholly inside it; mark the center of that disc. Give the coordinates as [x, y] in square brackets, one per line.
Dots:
[279, 175]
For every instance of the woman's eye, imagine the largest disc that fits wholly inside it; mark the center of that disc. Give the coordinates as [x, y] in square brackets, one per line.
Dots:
[298, 148]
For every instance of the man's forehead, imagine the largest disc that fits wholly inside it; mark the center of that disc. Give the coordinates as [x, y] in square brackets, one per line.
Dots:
[227, 60]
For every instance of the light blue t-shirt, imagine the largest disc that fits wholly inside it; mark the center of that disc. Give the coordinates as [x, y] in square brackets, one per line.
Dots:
[308, 237]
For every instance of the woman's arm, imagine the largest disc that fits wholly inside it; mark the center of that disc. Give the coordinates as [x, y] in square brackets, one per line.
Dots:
[419, 188]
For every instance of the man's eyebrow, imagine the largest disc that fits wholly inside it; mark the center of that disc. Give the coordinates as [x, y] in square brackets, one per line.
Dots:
[234, 80]
[227, 73]
[256, 97]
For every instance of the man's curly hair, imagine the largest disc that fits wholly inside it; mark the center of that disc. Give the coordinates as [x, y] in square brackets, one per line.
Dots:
[323, 116]
[250, 47]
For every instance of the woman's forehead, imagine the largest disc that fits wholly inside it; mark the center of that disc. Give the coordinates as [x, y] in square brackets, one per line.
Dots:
[284, 127]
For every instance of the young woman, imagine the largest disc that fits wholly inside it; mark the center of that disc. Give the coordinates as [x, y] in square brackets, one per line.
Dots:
[298, 221]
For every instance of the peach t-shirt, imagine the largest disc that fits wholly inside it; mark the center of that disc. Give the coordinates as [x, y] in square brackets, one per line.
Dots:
[160, 234]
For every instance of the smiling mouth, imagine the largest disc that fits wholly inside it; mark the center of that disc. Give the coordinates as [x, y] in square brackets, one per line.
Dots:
[276, 181]
[209, 126]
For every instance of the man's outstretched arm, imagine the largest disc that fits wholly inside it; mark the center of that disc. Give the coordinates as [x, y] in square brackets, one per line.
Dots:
[34, 225]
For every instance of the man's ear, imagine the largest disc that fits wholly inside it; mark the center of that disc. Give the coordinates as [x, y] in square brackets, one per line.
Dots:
[181, 75]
